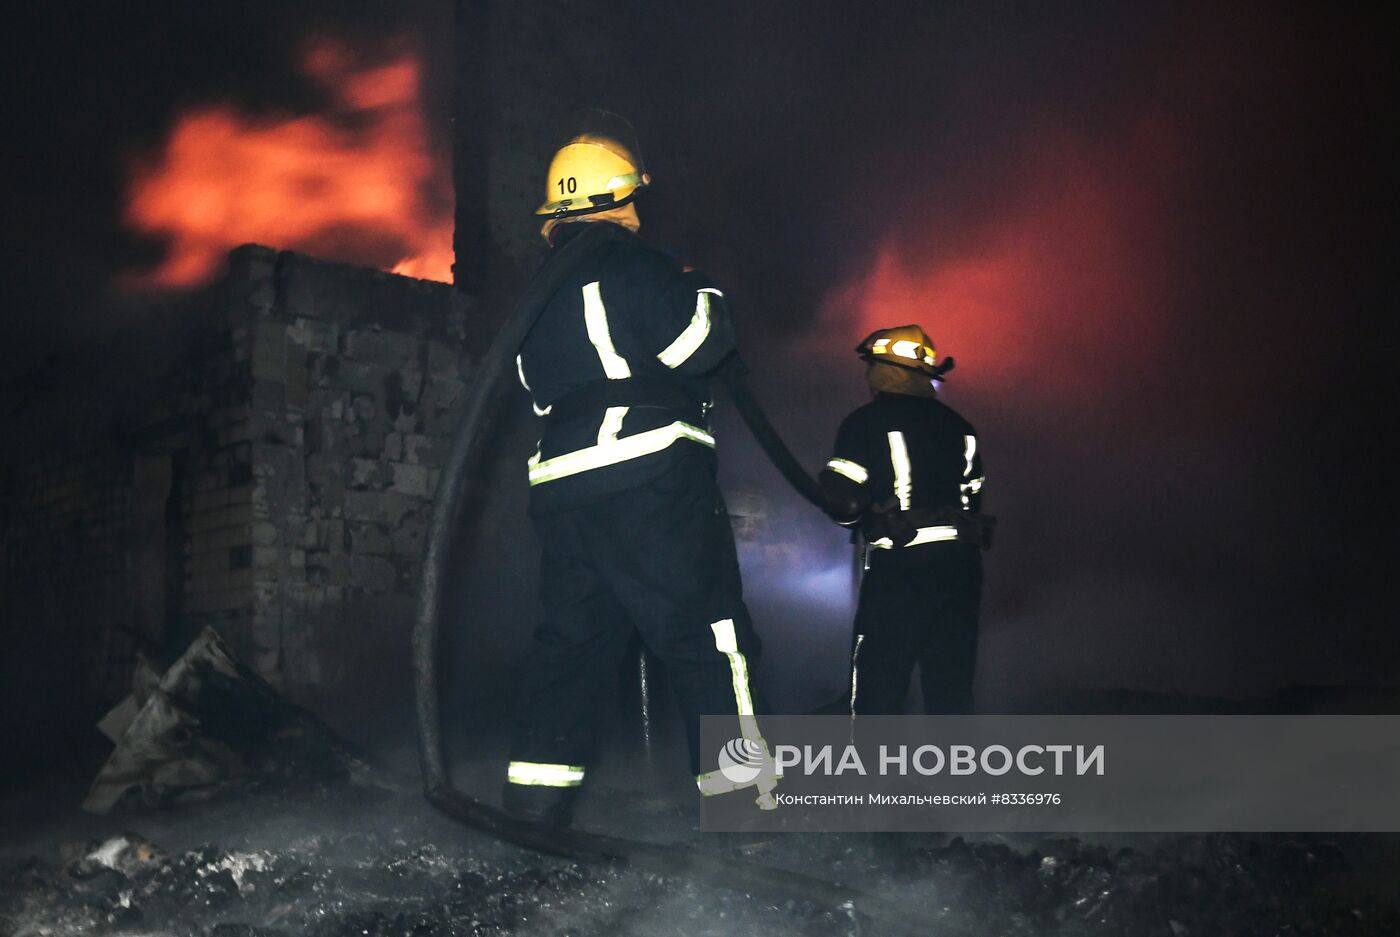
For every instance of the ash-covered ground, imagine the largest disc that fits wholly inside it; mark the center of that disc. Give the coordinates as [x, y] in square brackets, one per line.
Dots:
[349, 860]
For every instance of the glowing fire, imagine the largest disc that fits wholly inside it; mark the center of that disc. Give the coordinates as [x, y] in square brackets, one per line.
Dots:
[360, 183]
[1054, 289]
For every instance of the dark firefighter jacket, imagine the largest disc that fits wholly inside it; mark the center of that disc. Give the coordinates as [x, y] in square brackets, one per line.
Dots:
[616, 365]
[914, 454]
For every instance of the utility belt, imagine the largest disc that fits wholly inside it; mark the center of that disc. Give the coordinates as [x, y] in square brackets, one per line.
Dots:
[590, 400]
[888, 530]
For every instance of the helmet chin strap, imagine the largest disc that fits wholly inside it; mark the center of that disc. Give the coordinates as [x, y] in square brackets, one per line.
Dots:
[891, 378]
[624, 215]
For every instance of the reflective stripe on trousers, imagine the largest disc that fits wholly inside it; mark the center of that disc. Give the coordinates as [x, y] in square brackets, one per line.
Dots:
[544, 775]
[714, 782]
[924, 535]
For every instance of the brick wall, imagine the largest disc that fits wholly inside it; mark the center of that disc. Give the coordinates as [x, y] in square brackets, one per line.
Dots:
[356, 377]
[112, 457]
[261, 459]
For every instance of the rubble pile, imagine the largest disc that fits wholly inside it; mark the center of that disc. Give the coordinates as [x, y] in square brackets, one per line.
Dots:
[209, 726]
[354, 885]
[1188, 886]
[369, 887]
[385, 885]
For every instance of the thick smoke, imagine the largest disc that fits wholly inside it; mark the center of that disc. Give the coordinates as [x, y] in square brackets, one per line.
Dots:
[1144, 235]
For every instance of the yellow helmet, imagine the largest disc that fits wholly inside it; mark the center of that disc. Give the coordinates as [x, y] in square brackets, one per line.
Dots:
[591, 173]
[907, 346]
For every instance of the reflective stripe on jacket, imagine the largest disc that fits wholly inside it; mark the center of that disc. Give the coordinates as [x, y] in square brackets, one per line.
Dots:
[617, 366]
[916, 453]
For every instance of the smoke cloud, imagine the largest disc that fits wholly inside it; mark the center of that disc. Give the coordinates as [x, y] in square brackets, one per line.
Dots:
[1141, 233]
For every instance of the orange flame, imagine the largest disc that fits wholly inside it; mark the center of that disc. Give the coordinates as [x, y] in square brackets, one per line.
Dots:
[359, 184]
[1054, 288]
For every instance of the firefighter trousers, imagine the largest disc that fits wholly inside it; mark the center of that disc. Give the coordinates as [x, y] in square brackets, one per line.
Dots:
[659, 559]
[917, 605]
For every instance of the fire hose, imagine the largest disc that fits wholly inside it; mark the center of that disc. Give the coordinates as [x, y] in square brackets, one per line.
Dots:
[473, 426]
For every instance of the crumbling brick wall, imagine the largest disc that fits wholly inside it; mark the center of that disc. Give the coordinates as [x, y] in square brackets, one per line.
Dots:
[62, 587]
[114, 454]
[261, 459]
[356, 380]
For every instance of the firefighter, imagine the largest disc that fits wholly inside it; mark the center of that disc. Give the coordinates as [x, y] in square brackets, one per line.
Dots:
[623, 495]
[907, 474]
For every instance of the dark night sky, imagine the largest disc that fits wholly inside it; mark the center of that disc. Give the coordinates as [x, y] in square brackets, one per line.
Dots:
[1153, 237]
